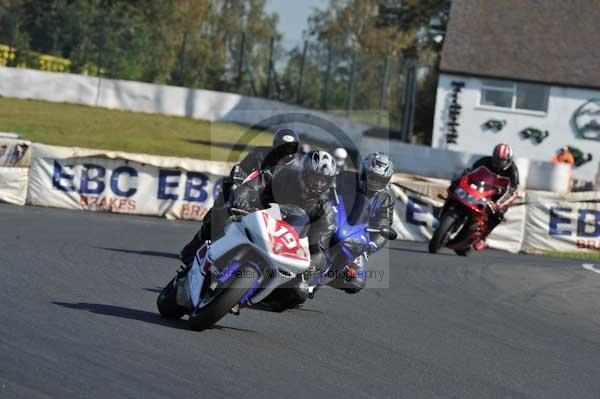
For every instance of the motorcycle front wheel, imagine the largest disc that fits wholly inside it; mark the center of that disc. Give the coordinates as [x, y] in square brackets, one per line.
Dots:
[167, 302]
[442, 233]
[226, 298]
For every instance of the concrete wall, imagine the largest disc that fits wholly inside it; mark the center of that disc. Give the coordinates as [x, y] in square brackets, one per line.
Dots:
[563, 102]
[218, 106]
[170, 100]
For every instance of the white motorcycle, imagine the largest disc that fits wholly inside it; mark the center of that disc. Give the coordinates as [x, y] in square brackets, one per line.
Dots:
[258, 253]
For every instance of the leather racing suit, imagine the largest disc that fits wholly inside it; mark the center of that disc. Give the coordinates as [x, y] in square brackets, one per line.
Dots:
[282, 187]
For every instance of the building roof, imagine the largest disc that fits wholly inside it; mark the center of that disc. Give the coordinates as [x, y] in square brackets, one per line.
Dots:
[548, 41]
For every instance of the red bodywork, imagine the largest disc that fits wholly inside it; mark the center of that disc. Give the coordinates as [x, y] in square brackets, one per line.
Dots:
[284, 238]
[476, 191]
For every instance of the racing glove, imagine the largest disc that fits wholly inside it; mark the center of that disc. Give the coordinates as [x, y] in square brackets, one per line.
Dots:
[244, 199]
[372, 248]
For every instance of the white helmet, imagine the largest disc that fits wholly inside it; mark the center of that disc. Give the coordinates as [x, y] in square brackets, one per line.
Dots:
[340, 155]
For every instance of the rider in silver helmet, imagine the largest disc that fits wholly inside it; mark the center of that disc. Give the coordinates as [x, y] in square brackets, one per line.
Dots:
[366, 193]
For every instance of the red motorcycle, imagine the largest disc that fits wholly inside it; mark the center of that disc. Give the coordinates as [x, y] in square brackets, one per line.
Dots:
[464, 218]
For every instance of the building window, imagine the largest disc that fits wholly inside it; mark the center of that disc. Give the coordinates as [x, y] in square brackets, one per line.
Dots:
[525, 96]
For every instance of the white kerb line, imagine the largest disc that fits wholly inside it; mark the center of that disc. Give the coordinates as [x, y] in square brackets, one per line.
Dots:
[590, 267]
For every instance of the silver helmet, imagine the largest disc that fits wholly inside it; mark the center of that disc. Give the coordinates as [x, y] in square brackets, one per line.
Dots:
[376, 170]
[318, 171]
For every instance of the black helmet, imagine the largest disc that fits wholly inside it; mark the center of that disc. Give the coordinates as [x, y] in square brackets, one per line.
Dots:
[285, 142]
[318, 172]
[376, 170]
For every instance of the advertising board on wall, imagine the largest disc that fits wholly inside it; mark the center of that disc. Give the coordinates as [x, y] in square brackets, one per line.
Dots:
[100, 183]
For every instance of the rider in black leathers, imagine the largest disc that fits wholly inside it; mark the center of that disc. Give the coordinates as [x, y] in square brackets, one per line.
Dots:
[305, 185]
[283, 152]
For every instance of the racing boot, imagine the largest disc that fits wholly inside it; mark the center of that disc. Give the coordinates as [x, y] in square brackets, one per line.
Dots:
[354, 279]
[351, 278]
[480, 245]
[288, 296]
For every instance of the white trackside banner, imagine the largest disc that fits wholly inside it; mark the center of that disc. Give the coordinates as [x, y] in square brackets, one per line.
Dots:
[94, 182]
[99, 180]
[15, 157]
[568, 222]
[13, 185]
[415, 214]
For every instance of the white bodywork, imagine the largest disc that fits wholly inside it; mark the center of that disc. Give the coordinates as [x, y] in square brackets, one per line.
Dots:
[271, 237]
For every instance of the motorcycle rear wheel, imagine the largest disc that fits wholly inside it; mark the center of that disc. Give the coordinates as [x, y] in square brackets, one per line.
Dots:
[241, 281]
[463, 252]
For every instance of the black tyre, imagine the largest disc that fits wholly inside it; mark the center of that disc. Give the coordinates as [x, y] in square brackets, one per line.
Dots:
[288, 296]
[441, 234]
[463, 252]
[167, 302]
[241, 281]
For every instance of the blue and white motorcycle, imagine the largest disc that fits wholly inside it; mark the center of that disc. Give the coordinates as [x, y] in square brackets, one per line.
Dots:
[349, 248]
[258, 253]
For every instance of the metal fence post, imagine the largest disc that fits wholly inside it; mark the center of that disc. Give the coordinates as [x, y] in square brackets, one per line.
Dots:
[270, 71]
[251, 77]
[382, 92]
[301, 78]
[410, 93]
[352, 84]
[413, 100]
[241, 62]
[100, 49]
[182, 59]
[327, 77]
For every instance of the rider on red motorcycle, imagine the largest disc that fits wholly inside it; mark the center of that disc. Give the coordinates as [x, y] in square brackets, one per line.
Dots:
[501, 163]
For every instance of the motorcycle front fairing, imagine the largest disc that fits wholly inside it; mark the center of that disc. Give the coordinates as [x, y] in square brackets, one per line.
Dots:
[350, 241]
[274, 247]
[477, 189]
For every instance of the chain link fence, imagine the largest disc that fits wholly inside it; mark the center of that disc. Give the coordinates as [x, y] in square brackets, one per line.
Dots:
[312, 74]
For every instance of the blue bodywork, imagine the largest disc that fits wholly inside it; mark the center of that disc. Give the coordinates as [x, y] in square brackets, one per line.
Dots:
[351, 239]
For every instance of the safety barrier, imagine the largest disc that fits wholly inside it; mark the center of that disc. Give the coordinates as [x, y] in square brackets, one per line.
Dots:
[109, 181]
[15, 159]
[95, 180]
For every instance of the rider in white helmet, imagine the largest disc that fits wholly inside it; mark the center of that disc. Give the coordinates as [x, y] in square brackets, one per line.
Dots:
[340, 154]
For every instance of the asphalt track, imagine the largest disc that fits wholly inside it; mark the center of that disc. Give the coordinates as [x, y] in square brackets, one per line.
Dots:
[78, 319]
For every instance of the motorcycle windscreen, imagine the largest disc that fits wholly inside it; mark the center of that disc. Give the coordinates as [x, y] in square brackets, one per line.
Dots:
[485, 181]
[295, 217]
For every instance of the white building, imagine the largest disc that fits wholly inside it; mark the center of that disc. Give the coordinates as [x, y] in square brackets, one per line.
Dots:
[522, 72]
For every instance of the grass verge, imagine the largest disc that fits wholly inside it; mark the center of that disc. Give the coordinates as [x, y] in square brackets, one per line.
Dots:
[91, 127]
[574, 255]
